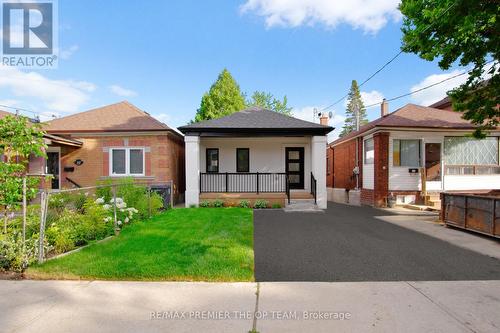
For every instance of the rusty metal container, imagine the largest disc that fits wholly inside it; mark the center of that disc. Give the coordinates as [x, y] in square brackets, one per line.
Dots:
[474, 212]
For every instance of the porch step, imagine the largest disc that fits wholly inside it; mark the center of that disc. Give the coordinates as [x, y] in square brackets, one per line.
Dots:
[302, 205]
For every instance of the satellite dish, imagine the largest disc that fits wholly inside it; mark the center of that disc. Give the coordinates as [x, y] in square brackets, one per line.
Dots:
[330, 114]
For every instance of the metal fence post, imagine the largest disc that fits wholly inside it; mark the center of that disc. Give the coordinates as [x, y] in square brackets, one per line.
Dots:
[44, 203]
[227, 188]
[171, 194]
[257, 183]
[114, 208]
[149, 201]
[24, 210]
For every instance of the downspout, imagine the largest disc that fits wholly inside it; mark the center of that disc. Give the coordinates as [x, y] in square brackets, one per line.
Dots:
[356, 168]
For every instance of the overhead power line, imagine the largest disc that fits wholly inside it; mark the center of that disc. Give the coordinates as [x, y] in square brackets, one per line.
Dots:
[423, 88]
[387, 63]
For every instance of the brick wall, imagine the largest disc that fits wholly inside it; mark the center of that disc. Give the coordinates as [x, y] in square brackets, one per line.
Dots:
[381, 168]
[329, 167]
[164, 159]
[367, 197]
[343, 163]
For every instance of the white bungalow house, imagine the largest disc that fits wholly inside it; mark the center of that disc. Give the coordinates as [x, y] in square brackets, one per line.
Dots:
[256, 154]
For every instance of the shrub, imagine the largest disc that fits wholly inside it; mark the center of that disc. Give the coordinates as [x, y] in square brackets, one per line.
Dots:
[192, 206]
[204, 204]
[63, 242]
[260, 204]
[15, 257]
[218, 203]
[244, 204]
[134, 195]
[276, 206]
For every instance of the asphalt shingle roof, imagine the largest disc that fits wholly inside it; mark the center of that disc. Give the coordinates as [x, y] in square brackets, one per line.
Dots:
[122, 116]
[415, 116]
[255, 118]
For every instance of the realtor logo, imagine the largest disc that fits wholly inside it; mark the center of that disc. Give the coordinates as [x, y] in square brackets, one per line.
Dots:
[29, 33]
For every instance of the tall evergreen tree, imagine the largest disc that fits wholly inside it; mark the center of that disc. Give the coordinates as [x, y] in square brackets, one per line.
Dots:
[223, 98]
[355, 101]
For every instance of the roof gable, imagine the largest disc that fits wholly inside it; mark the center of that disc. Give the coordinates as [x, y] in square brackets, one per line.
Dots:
[122, 116]
[255, 119]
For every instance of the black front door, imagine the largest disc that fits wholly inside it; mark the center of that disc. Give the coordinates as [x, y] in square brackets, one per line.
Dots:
[53, 168]
[295, 167]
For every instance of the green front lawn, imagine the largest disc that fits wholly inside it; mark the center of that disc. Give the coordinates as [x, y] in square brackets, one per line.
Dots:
[200, 244]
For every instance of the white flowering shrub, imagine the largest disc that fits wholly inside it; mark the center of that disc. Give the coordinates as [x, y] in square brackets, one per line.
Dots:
[124, 214]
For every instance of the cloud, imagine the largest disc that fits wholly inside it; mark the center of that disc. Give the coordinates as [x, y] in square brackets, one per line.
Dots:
[9, 102]
[120, 91]
[368, 15]
[65, 54]
[371, 97]
[163, 117]
[64, 96]
[438, 92]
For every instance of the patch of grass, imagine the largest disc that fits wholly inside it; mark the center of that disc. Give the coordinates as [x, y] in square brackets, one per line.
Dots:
[192, 244]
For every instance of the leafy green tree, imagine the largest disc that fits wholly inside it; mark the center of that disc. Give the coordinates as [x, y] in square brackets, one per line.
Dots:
[223, 98]
[268, 101]
[355, 101]
[19, 138]
[466, 32]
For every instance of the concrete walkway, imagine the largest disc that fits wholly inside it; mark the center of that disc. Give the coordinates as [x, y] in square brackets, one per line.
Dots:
[83, 306]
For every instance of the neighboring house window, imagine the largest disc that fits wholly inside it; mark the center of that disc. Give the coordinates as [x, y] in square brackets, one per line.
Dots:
[369, 151]
[469, 156]
[212, 160]
[127, 161]
[242, 160]
[406, 153]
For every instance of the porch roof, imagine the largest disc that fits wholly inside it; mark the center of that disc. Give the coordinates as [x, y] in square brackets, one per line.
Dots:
[255, 121]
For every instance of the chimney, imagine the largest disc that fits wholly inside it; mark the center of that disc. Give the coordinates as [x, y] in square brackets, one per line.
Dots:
[323, 120]
[384, 108]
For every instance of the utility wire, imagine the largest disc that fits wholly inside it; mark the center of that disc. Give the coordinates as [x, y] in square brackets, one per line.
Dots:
[423, 88]
[390, 60]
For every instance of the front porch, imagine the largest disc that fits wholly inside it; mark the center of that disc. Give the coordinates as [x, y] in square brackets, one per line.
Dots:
[275, 169]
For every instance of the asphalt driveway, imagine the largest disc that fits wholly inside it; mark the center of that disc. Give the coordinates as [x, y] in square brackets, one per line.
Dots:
[349, 244]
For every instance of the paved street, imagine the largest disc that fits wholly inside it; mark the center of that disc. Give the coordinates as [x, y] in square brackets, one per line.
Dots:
[348, 243]
[122, 307]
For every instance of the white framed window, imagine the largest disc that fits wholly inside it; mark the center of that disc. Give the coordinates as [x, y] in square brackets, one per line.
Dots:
[369, 151]
[126, 161]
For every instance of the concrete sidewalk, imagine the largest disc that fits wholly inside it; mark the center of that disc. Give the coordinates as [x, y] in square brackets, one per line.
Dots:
[84, 306]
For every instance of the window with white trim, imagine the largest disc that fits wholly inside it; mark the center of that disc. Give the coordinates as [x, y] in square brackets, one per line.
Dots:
[369, 151]
[126, 161]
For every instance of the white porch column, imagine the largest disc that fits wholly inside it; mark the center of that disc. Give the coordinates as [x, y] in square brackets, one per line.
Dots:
[318, 167]
[192, 170]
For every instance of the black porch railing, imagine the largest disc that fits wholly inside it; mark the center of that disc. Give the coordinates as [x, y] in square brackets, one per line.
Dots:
[313, 187]
[256, 182]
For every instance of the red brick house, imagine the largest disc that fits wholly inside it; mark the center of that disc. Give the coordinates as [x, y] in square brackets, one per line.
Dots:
[412, 155]
[110, 142]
